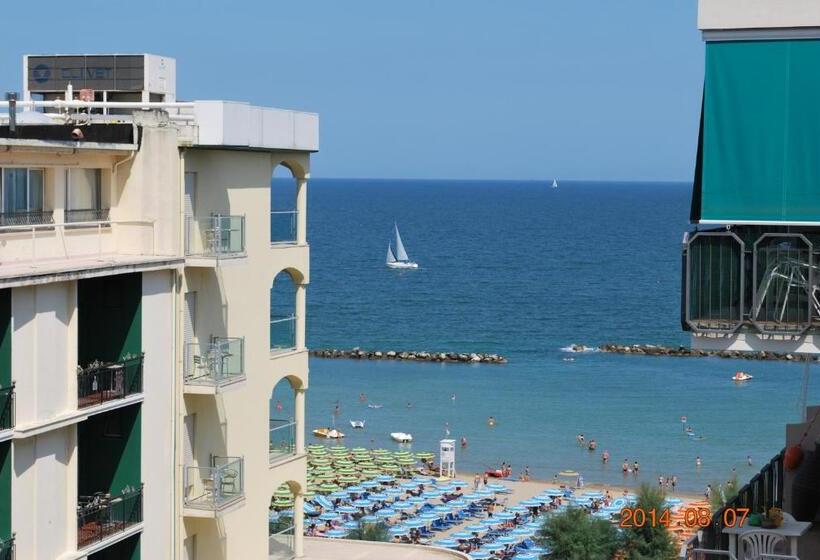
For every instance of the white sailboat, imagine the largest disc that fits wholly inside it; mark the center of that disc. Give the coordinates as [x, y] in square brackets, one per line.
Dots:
[555, 183]
[399, 259]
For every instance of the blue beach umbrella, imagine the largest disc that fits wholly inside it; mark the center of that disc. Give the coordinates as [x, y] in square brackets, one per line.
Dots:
[479, 554]
[416, 500]
[462, 535]
[347, 509]
[414, 523]
[429, 516]
[493, 546]
[386, 512]
[378, 496]
[355, 489]
[350, 525]
[398, 531]
[475, 528]
[442, 509]
[458, 482]
[534, 525]
[408, 485]
[484, 492]
[445, 487]
[423, 480]
[530, 503]
[471, 497]
[458, 504]
[329, 516]
[446, 543]
[369, 484]
[521, 532]
[362, 503]
[497, 488]
[505, 539]
[431, 495]
[526, 556]
[392, 491]
[402, 506]
[518, 509]
[384, 478]
[542, 498]
[505, 515]
[369, 519]
[336, 534]
[341, 495]
[491, 522]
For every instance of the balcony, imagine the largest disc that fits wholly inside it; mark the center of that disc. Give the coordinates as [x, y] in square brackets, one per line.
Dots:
[7, 409]
[7, 549]
[214, 488]
[283, 227]
[31, 244]
[216, 364]
[282, 333]
[763, 281]
[213, 239]
[102, 516]
[100, 383]
[82, 215]
[281, 439]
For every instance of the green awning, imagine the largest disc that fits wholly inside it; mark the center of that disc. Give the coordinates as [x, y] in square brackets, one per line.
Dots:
[759, 151]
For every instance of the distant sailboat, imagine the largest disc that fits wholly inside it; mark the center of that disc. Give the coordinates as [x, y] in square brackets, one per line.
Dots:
[555, 183]
[399, 259]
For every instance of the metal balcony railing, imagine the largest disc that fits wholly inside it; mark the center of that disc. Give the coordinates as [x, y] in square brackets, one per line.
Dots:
[281, 541]
[100, 383]
[282, 438]
[283, 226]
[216, 486]
[215, 236]
[218, 362]
[86, 215]
[101, 516]
[6, 409]
[7, 549]
[27, 218]
[282, 332]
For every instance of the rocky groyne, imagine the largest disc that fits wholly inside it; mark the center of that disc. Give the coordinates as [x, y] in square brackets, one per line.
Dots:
[410, 356]
[685, 352]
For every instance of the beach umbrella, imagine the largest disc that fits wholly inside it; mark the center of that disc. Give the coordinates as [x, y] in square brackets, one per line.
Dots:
[391, 468]
[350, 525]
[328, 488]
[283, 492]
[369, 484]
[475, 528]
[398, 531]
[329, 516]
[362, 503]
[392, 491]
[347, 509]
[371, 472]
[522, 533]
[479, 554]
[493, 546]
[319, 461]
[543, 499]
[336, 533]
[348, 479]
[326, 476]
[338, 495]
[534, 525]
[458, 504]
[505, 539]
[416, 500]
[446, 543]
[497, 488]
[377, 452]
[414, 523]
[408, 485]
[504, 515]
[423, 480]
[530, 503]
[484, 493]
[471, 497]
[458, 482]
[424, 455]
[346, 470]
[386, 512]
[526, 556]
[385, 478]
[443, 509]
[462, 535]
[490, 522]
[369, 519]
[406, 461]
[282, 503]
[378, 496]
[309, 494]
[355, 489]
[316, 447]
[323, 468]
[402, 506]
[429, 516]
[431, 495]
[359, 450]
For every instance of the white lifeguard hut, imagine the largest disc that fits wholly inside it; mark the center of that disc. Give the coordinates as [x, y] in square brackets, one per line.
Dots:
[447, 458]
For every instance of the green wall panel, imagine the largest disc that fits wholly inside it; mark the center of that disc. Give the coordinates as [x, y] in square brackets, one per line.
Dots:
[110, 451]
[5, 338]
[761, 131]
[129, 549]
[110, 318]
[5, 490]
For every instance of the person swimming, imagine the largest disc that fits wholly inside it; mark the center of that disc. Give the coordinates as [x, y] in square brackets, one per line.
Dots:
[362, 397]
[592, 445]
[491, 421]
[605, 456]
[463, 441]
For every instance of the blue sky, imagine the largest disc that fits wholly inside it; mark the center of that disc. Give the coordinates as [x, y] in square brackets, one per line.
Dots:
[521, 89]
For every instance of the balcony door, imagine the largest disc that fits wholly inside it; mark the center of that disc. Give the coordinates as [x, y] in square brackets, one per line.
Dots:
[22, 193]
[84, 196]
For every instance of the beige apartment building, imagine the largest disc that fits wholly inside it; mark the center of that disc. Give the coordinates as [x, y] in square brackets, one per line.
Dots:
[150, 302]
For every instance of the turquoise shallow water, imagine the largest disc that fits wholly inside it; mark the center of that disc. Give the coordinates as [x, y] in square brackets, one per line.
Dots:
[524, 270]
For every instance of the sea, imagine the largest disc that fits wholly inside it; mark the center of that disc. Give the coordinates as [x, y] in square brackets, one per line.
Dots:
[524, 270]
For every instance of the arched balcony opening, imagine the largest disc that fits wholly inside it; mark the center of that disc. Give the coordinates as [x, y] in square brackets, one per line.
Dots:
[282, 423]
[283, 313]
[282, 522]
[284, 212]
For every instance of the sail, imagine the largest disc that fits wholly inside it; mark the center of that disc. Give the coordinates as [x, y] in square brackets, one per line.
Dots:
[554, 183]
[390, 257]
[401, 254]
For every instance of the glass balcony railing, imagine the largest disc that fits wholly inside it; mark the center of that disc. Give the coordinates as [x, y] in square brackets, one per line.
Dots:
[283, 226]
[102, 382]
[751, 278]
[282, 332]
[282, 438]
[281, 539]
[7, 549]
[6, 409]
[101, 516]
[216, 363]
[214, 487]
[215, 236]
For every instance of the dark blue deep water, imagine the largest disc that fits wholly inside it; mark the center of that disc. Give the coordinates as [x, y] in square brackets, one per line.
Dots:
[523, 270]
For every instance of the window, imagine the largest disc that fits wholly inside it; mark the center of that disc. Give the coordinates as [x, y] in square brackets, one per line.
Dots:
[84, 196]
[22, 197]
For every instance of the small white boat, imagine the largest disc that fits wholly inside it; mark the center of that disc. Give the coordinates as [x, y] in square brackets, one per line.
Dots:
[329, 433]
[399, 259]
[358, 424]
[375, 406]
[401, 437]
[555, 183]
[741, 376]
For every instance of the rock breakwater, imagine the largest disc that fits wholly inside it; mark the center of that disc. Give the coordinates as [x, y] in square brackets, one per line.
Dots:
[449, 357]
[686, 352]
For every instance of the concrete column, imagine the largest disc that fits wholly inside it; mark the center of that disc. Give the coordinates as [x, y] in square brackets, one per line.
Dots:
[301, 209]
[299, 418]
[301, 299]
[298, 525]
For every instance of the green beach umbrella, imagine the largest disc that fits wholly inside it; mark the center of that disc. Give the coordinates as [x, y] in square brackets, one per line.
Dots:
[359, 450]
[326, 476]
[425, 455]
[327, 488]
[349, 479]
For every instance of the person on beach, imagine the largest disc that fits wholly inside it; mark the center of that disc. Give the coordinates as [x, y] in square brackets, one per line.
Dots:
[749, 460]
[660, 482]
[605, 456]
[278, 406]
[698, 462]
[463, 442]
[625, 466]
[580, 481]
[476, 481]
[486, 479]
[525, 476]
[674, 482]
[708, 492]
[635, 468]
[362, 397]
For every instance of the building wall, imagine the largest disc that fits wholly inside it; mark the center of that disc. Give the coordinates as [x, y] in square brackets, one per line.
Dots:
[756, 14]
[234, 298]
